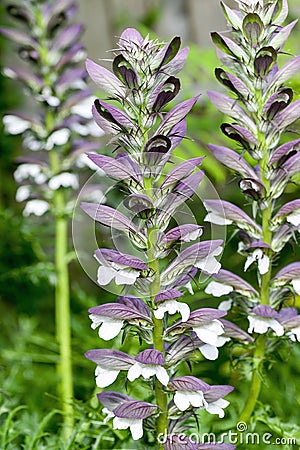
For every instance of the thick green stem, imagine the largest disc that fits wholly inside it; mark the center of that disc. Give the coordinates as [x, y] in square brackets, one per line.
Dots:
[255, 386]
[158, 342]
[260, 344]
[62, 303]
[62, 311]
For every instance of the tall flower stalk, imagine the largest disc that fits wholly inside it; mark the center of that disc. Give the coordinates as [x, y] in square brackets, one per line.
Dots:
[263, 110]
[50, 46]
[142, 83]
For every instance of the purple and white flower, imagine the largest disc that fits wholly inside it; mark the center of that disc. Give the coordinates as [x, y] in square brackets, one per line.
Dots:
[189, 391]
[126, 412]
[289, 275]
[30, 170]
[36, 207]
[124, 269]
[215, 403]
[149, 363]
[262, 318]
[109, 364]
[110, 317]
[64, 179]
[167, 304]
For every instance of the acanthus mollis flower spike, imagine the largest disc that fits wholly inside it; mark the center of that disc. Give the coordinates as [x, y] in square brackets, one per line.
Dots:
[124, 269]
[54, 82]
[143, 82]
[149, 363]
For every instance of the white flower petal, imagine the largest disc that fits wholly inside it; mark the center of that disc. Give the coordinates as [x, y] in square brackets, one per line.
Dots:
[96, 321]
[258, 325]
[25, 171]
[263, 264]
[84, 108]
[110, 328]
[105, 377]
[36, 207]
[126, 276]
[59, 137]
[148, 370]
[210, 265]
[181, 400]
[296, 285]
[221, 340]
[134, 372]
[65, 180]
[218, 220]
[209, 352]
[262, 324]
[105, 275]
[121, 423]
[109, 413]
[189, 287]
[294, 218]
[225, 305]
[217, 407]
[136, 429]
[23, 193]
[250, 260]
[184, 310]
[296, 331]
[15, 125]
[135, 425]
[276, 327]
[162, 375]
[218, 289]
[197, 399]
[159, 312]
[209, 332]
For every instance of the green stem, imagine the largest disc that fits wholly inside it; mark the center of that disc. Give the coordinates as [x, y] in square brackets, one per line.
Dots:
[260, 344]
[255, 386]
[62, 302]
[158, 342]
[62, 311]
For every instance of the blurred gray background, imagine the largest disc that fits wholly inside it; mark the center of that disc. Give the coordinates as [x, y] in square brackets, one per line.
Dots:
[193, 20]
